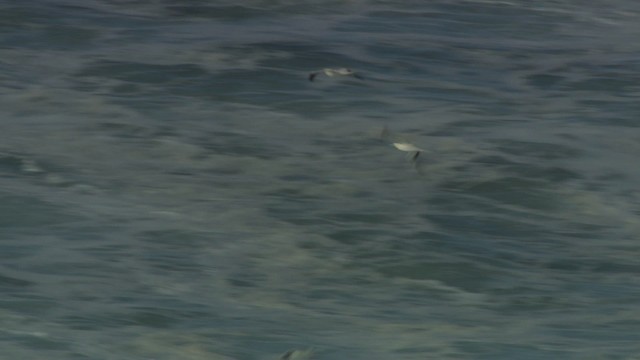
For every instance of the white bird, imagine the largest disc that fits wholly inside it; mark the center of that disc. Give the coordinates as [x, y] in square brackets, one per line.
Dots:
[401, 144]
[335, 72]
[405, 146]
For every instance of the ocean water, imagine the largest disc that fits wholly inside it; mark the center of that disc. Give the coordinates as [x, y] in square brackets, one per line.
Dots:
[173, 187]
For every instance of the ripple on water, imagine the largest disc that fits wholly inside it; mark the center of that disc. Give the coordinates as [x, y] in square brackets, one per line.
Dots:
[21, 212]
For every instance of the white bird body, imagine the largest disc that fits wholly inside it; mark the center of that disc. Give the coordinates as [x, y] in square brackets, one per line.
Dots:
[335, 72]
[403, 146]
[338, 72]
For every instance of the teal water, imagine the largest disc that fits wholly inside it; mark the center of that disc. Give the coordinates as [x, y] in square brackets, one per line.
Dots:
[173, 187]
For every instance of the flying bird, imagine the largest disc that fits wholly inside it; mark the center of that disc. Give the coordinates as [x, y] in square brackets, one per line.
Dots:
[401, 144]
[405, 146]
[335, 72]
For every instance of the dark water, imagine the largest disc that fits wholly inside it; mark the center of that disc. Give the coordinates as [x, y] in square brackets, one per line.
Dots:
[173, 187]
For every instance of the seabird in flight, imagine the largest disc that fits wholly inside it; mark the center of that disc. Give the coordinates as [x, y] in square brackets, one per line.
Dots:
[401, 144]
[335, 72]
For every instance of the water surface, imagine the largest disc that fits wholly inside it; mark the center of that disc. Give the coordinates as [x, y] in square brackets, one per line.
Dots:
[173, 187]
